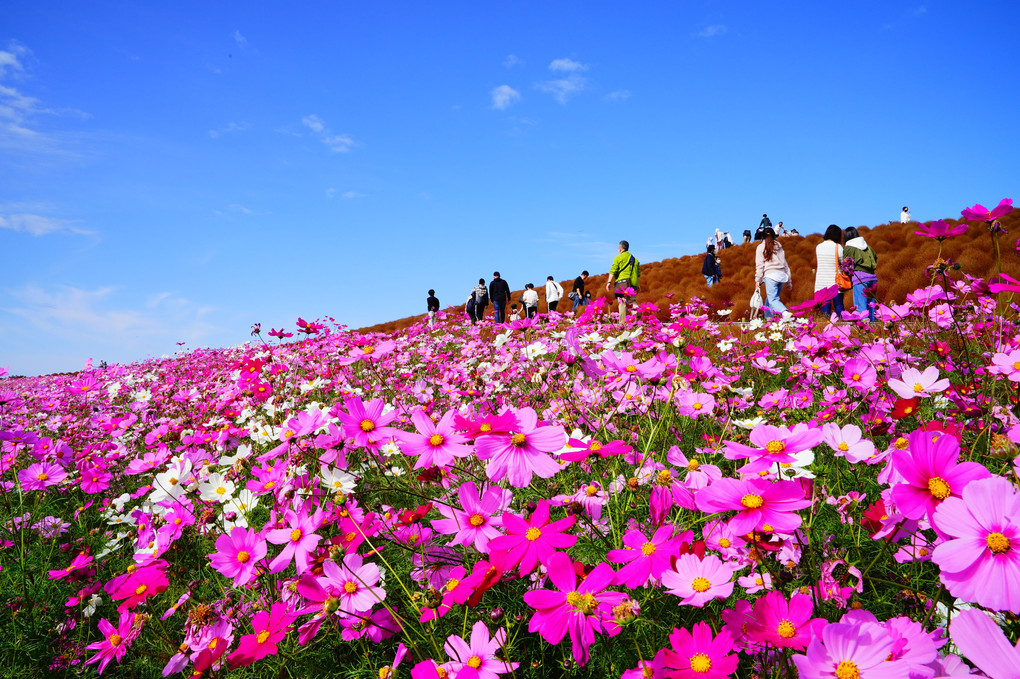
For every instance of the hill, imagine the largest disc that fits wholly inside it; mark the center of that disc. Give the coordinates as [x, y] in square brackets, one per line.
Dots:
[902, 261]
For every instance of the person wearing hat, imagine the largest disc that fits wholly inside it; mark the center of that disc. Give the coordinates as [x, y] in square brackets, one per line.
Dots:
[499, 295]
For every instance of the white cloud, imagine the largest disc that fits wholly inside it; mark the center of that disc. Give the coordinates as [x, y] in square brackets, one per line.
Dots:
[10, 58]
[512, 60]
[563, 89]
[567, 65]
[39, 225]
[230, 128]
[240, 39]
[504, 96]
[712, 31]
[341, 143]
[347, 195]
[617, 95]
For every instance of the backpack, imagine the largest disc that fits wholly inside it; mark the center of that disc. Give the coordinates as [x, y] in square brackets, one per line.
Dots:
[481, 296]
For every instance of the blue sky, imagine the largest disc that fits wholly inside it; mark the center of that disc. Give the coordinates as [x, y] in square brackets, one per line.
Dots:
[173, 172]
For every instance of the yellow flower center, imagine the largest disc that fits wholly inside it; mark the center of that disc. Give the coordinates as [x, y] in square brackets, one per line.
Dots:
[847, 669]
[476, 520]
[693, 465]
[474, 661]
[141, 589]
[700, 584]
[367, 425]
[701, 663]
[664, 478]
[485, 427]
[917, 390]
[519, 440]
[368, 349]
[724, 542]
[752, 501]
[451, 584]
[759, 581]
[591, 491]
[775, 447]
[295, 535]
[385, 672]
[243, 557]
[350, 587]
[631, 368]
[42, 476]
[856, 377]
[270, 484]
[697, 405]
[583, 602]
[786, 629]
[263, 635]
[843, 446]
[221, 490]
[1016, 366]
[436, 440]
[115, 640]
[648, 548]
[533, 534]
[998, 543]
[938, 487]
[595, 446]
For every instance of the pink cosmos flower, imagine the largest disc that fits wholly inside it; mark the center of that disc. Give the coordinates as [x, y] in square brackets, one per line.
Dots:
[366, 423]
[269, 630]
[980, 213]
[693, 404]
[982, 642]
[356, 582]
[941, 230]
[697, 581]
[981, 560]
[477, 660]
[844, 650]
[239, 554]
[761, 504]
[578, 609]
[578, 450]
[298, 536]
[1006, 364]
[780, 623]
[859, 374]
[534, 540]
[668, 491]
[41, 475]
[475, 522]
[523, 454]
[116, 640]
[646, 559]
[930, 473]
[913, 382]
[773, 445]
[436, 444]
[81, 560]
[848, 442]
[698, 474]
[138, 585]
[1012, 284]
[699, 655]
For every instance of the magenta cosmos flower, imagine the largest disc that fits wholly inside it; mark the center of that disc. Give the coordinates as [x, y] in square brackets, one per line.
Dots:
[699, 655]
[531, 541]
[355, 581]
[982, 642]
[782, 623]
[524, 453]
[270, 629]
[772, 445]
[941, 230]
[697, 581]
[239, 554]
[646, 559]
[851, 651]
[760, 504]
[981, 561]
[299, 539]
[366, 422]
[930, 473]
[138, 585]
[980, 213]
[477, 660]
[41, 475]
[116, 641]
[474, 522]
[436, 444]
[578, 609]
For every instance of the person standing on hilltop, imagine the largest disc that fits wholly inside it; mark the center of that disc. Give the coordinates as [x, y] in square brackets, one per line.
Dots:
[553, 293]
[770, 268]
[432, 306]
[905, 215]
[626, 273]
[710, 268]
[828, 259]
[863, 278]
[481, 295]
[577, 293]
[499, 295]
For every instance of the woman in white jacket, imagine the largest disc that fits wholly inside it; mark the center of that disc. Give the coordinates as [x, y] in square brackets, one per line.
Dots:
[828, 256]
[553, 293]
[770, 268]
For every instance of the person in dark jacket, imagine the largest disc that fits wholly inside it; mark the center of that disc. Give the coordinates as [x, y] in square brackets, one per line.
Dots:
[481, 295]
[578, 292]
[710, 268]
[499, 295]
[432, 305]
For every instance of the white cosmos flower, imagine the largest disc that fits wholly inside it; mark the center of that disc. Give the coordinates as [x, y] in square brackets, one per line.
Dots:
[240, 505]
[750, 422]
[216, 488]
[172, 482]
[338, 481]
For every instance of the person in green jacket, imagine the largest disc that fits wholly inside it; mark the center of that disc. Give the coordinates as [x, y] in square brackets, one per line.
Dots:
[625, 273]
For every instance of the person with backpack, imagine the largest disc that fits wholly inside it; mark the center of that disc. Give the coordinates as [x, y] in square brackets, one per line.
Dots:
[469, 308]
[481, 297]
[553, 293]
[499, 295]
[624, 274]
[432, 306]
[863, 278]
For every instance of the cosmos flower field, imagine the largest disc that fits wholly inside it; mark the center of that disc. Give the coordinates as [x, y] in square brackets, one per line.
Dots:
[676, 496]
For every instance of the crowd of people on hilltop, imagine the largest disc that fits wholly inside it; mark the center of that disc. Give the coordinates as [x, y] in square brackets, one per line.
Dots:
[843, 260]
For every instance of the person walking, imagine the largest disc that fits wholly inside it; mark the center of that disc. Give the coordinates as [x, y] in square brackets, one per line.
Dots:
[828, 259]
[553, 293]
[499, 295]
[770, 268]
[710, 268]
[481, 295]
[905, 215]
[623, 274]
[469, 308]
[747, 236]
[529, 300]
[432, 305]
[577, 293]
[863, 278]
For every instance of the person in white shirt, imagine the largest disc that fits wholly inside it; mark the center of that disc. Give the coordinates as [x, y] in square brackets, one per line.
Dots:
[828, 258]
[530, 300]
[905, 215]
[553, 293]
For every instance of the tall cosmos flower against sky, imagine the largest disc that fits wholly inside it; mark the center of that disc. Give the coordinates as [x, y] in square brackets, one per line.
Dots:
[524, 453]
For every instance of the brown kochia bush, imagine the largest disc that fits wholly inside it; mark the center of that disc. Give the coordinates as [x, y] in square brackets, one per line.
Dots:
[902, 260]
